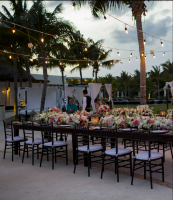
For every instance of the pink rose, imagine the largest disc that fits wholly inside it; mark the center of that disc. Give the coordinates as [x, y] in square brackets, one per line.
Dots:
[163, 128]
[101, 120]
[150, 121]
[106, 124]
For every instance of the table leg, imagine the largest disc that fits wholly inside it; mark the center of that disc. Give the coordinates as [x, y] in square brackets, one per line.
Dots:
[16, 133]
[74, 148]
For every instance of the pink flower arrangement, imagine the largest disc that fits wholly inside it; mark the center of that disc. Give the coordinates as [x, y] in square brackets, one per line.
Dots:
[136, 123]
[150, 121]
[104, 108]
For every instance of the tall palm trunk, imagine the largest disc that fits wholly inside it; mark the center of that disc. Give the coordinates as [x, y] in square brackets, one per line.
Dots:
[96, 76]
[20, 80]
[129, 91]
[15, 88]
[158, 90]
[125, 92]
[80, 70]
[28, 71]
[62, 73]
[142, 67]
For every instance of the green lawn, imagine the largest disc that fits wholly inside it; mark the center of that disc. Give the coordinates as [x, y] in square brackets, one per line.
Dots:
[156, 107]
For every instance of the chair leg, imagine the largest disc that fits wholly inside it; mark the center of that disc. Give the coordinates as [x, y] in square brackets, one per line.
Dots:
[171, 149]
[32, 154]
[130, 164]
[19, 148]
[137, 146]
[164, 152]
[158, 147]
[12, 150]
[5, 150]
[88, 164]
[75, 162]
[37, 152]
[66, 155]
[47, 154]
[102, 169]
[144, 170]
[117, 169]
[150, 175]
[116, 164]
[55, 155]
[52, 158]
[133, 171]
[27, 152]
[23, 153]
[162, 170]
[41, 157]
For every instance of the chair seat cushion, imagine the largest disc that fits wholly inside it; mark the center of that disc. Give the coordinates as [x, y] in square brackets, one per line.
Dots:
[36, 141]
[15, 139]
[121, 151]
[144, 155]
[91, 148]
[56, 144]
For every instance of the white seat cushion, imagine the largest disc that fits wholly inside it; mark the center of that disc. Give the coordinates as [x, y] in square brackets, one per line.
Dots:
[36, 141]
[91, 148]
[15, 139]
[144, 155]
[121, 151]
[56, 144]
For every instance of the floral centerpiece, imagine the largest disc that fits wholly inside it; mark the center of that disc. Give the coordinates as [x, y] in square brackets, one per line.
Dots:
[104, 108]
[79, 119]
[82, 112]
[54, 109]
[145, 111]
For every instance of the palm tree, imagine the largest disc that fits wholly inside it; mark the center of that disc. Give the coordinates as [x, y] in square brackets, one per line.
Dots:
[156, 74]
[167, 71]
[138, 8]
[150, 85]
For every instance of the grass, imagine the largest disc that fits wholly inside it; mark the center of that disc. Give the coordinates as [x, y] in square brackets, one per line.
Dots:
[155, 107]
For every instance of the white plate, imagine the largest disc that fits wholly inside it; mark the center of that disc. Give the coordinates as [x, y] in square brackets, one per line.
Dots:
[65, 125]
[128, 129]
[159, 131]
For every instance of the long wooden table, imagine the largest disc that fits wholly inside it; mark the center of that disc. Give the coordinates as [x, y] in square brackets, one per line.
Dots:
[96, 133]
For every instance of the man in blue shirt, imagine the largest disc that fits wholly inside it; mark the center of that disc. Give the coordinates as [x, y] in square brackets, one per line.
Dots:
[71, 107]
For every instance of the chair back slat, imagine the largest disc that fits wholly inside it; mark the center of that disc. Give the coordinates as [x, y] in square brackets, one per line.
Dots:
[47, 131]
[28, 130]
[82, 136]
[8, 129]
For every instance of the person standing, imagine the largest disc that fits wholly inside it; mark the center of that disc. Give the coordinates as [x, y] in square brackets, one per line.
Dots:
[86, 101]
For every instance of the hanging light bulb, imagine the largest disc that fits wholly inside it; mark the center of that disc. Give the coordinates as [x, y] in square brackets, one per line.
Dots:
[162, 44]
[145, 57]
[153, 55]
[131, 55]
[100, 63]
[46, 62]
[77, 64]
[10, 56]
[88, 64]
[86, 49]
[60, 63]
[142, 54]
[13, 30]
[73, 5]
[42, 39]
[30, 45]
[110, 63]
[126, 31]
[137, 59]
[163, 53]
[144, 41]
[129, 60]
[118, 53]
[106, 19]
[103, 52]
[31, 59]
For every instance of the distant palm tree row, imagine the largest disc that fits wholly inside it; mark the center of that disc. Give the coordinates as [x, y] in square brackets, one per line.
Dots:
[129, 84]
[46, 46]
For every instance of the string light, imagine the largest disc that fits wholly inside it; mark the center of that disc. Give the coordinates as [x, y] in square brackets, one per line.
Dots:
[13, 30]
[163, 53]
[118, 53]
[46, 62]
[111, 63]
[77, 64]
[74, 4]
[106, 19]
[142, 54]
[88, 64]
[137, 59]
[42, 39]
[103, 52]
[30, 45]
[144, 41]
[10, 56]
[162, 44]
[126, 31]
[131, 55]
[60, 63]
[100, 64]
[86, 49]
[129, 60]
[145, 57]
[153, 55]
[31, 59]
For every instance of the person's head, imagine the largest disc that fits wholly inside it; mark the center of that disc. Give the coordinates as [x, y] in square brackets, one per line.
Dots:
[103, 101]
[70, 101]
[96, 100]
[85, 92]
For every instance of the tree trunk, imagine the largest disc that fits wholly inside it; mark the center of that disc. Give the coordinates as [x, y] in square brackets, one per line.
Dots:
[44, 86]
[62, 73]
[96, 76]
[158, 91]
[15, 88]
[142, 67]
[125, 92]
[28, 71]
[20, 81]
[80, 70]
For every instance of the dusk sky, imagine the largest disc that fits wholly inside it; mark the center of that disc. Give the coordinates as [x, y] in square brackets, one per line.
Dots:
[158, 22]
